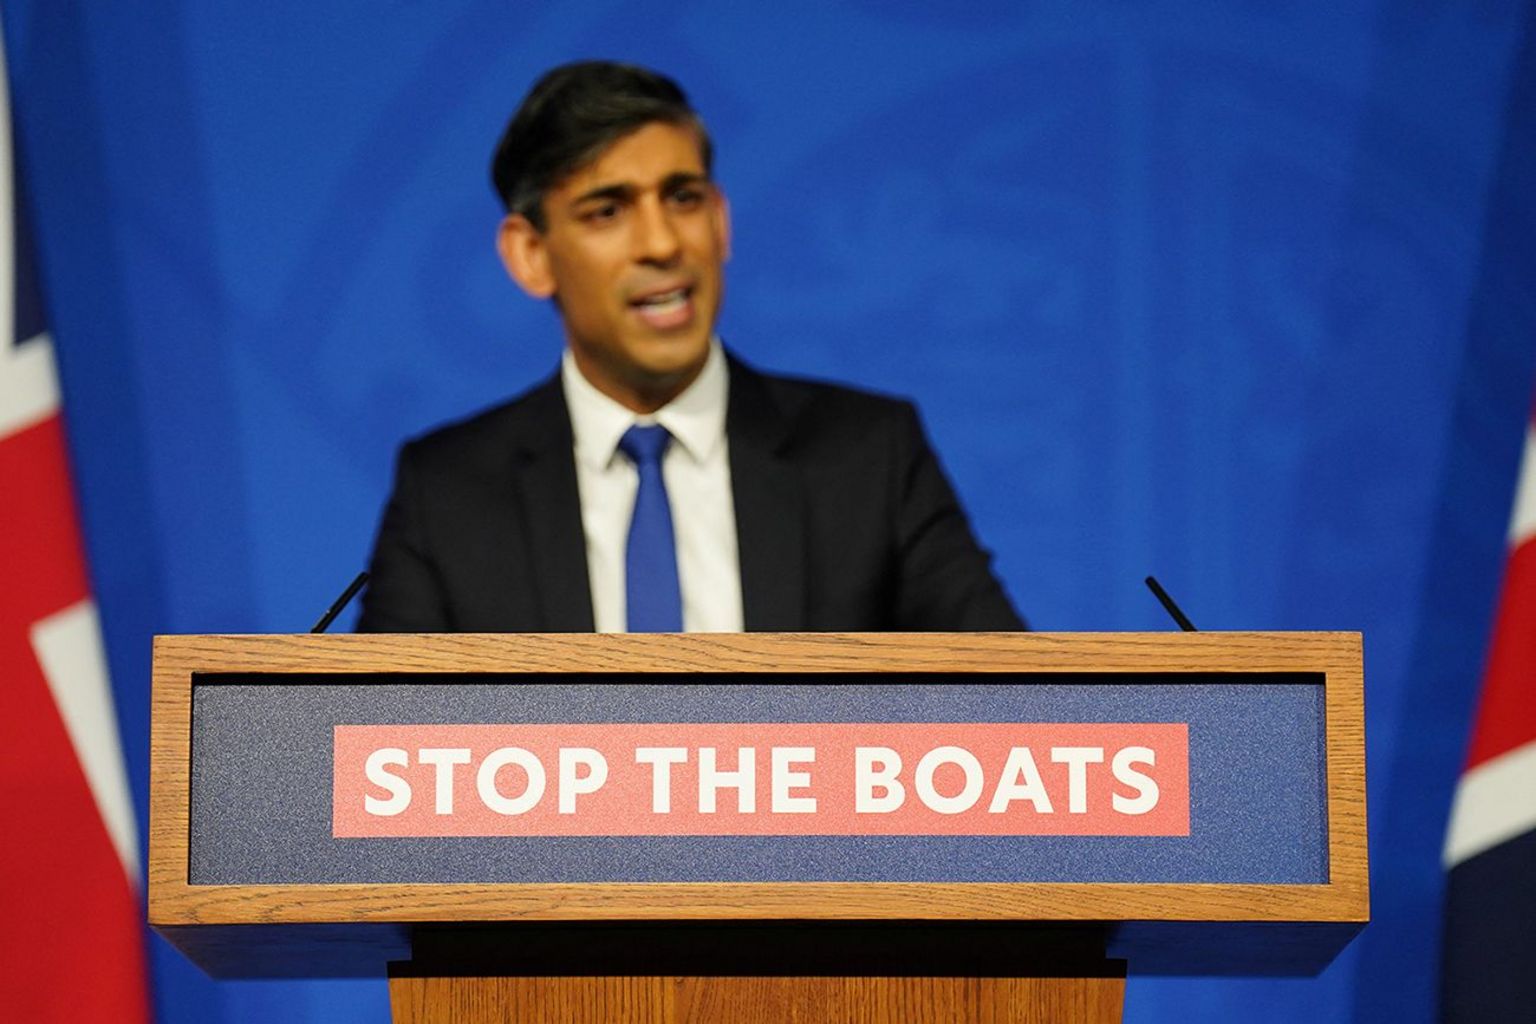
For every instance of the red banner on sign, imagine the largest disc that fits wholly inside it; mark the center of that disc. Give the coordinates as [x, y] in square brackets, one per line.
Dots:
[640, 779]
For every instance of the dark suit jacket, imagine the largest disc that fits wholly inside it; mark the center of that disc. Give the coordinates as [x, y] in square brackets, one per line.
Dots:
[844, 520]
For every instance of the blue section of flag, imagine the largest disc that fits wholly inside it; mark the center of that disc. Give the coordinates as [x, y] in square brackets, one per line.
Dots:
[1489, 954]
[30, 320]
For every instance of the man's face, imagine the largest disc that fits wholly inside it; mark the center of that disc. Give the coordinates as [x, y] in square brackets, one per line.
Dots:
[632, 251]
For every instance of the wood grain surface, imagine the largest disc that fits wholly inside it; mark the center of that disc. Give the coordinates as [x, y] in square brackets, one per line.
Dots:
[757, 1000]
[172, 901]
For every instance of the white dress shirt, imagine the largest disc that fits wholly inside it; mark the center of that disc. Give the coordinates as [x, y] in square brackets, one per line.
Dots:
[697, 472]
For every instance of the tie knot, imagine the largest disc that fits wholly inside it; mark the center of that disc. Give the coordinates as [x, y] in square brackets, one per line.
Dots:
[645, 445]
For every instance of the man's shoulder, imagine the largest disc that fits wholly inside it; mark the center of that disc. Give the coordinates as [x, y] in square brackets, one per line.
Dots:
[534, 419]
[811, 392]
[809, 406]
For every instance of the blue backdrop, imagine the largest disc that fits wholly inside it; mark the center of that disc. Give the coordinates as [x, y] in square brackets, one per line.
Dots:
[1234, 294]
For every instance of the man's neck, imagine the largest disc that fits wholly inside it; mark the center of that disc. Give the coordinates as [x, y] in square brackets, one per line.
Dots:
[643, 396]
[695, 416]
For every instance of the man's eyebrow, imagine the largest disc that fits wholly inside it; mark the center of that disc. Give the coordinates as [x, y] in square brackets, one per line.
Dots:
[617, 191]
[681, 178]
[627, 190]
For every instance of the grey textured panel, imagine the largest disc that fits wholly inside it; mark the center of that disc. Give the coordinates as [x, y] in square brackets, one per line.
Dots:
[261, 796]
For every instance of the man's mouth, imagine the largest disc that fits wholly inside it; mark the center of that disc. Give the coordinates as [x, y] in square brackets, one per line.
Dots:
[666, 310]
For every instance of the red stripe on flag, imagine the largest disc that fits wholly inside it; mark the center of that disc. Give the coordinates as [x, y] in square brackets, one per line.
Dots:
[72, 948]
[39, 542]
[1506, 713]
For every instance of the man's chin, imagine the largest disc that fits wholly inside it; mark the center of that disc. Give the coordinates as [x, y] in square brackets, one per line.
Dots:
[664, 371]
[664, 357]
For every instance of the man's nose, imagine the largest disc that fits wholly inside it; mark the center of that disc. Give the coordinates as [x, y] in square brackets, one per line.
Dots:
[656, 239]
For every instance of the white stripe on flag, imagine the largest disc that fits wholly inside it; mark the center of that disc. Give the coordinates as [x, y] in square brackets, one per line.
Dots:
[1495, 802]
[1522, 527]
[29, 385]
[68, 646]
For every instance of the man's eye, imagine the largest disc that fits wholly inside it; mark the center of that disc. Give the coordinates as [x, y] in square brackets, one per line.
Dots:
[601, 213]
[687, 198]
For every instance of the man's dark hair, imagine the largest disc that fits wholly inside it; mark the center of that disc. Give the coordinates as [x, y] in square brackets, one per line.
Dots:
[570, 116]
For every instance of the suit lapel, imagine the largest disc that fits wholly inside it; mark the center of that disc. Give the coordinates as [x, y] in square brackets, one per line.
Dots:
[545, 472]
[770, 507]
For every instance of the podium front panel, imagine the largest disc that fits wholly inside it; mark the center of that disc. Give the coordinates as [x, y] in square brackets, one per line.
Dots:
[317, 798]
[1229, 788]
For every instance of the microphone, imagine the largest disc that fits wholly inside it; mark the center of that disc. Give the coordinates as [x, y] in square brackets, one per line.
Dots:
[1173, 609]
[340, 603]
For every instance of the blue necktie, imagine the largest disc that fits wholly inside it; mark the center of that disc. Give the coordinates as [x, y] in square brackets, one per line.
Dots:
[651, 592]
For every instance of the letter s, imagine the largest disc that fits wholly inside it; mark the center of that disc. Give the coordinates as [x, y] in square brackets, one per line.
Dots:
[1145, 787]
[399, 789]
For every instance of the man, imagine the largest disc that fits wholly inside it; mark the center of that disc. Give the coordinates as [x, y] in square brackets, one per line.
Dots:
[657, 483]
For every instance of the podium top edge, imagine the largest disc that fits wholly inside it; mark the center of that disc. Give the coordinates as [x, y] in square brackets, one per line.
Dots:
[862, 637]
[769, 652]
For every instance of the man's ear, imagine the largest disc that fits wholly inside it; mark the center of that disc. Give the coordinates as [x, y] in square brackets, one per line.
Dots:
[525, 256]
[723, 225]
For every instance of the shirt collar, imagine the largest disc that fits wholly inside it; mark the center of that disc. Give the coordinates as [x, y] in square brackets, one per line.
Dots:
[695, 418]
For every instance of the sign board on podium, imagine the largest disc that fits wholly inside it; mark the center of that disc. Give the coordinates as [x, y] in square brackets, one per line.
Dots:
[323, 805]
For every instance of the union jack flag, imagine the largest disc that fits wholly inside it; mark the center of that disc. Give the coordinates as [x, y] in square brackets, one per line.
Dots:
[72, 945]
[1489, 949]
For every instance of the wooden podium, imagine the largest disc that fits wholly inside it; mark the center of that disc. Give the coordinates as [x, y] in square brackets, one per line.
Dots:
[463, 813]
